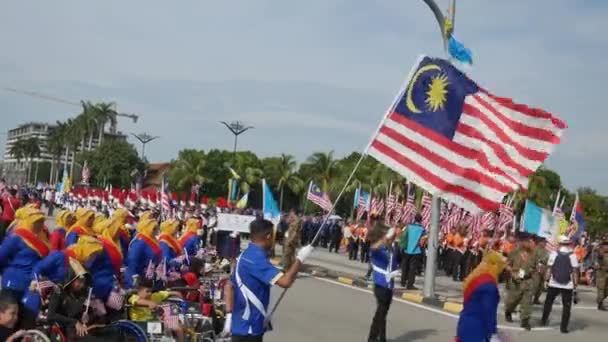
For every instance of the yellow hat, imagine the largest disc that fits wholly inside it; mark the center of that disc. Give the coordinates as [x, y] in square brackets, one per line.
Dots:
[169, 226]
[85, 247]
[147, 215]
[82, 217]
[146, 227]
[31, 217]
[60, 218]
[192, 225]
[100, 225]
[98, 218]
[120, 214]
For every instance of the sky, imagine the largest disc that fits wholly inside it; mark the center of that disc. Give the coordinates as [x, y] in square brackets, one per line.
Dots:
[313, 75]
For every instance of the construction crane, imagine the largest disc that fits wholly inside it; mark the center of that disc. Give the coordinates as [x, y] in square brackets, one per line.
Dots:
[133, 117]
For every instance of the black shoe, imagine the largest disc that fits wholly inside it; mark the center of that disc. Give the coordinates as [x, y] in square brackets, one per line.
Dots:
[537, 302]
[564, 331]
[508, 317]
[544, 323]
[601, 307]
[526, 324]
[412, 288]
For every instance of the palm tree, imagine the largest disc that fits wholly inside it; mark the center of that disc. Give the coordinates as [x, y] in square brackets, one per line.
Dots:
[73, 134]
[285, 171]
[324, 167]
[55, 144]
[87, 124]
[188, 169]
[17, 150]
[104, 113]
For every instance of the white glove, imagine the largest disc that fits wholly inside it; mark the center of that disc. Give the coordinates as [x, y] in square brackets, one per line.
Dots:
[304, 253]
[227, 324]
[494, 338]
[390, 234]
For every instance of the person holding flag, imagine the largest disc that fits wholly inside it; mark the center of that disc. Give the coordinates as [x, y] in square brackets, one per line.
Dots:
[170, 246]
[190, 241]
[83, 226]
[105, 266]
[248, 291]
[143, 251]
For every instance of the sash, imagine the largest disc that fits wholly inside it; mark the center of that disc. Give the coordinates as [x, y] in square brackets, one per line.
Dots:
[482, 279]
[113, 252]
[69, 254]
[184, 239]
[33, 242]
[171, 242]
[78, 230]
[153, 244]
[123, 234]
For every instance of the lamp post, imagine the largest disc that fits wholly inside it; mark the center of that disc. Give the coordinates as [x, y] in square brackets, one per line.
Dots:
[237, 128]
[144, 138]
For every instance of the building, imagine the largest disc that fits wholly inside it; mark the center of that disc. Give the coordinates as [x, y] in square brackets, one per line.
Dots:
[15, 171]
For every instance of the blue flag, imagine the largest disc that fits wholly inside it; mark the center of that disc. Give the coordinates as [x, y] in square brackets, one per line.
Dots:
[270, 206]
[459, 52]
[540, 222]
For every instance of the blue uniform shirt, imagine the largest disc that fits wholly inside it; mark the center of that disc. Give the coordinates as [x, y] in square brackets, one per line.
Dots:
[138, 259]
[54, 267]
[381, 258]
[17, 261]
[255, 275]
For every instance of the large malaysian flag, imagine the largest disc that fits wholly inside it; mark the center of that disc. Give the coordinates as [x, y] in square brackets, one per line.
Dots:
[460, 142]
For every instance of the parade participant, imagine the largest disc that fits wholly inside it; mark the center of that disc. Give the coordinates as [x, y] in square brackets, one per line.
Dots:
[449, 251]
[385, 267]
[542, 256]
[292, 239]
[63, 220]
[55, 266]
[561, 278]
[190, 240]
[67, 308]
[21, 251]
[364, 244]
[10, 204]
[248, 292]
[521, 266]
[458, 266]
[477, 322]
[83, 226]
[601, 276]
[143, 250]
[170, 246]
[105, 266]
[121, 215]
[353, 241]
[19, 215]
[412, 253]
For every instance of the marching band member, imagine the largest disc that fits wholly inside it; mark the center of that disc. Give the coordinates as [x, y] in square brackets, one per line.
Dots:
[170, 246]
[83, 226]
[105, 266]
[54, 267]
[63, 220]
[20, 251]
[190, 241]
[143, 250]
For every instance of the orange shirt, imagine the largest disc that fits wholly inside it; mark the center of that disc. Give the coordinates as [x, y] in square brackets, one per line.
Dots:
[449, 239]
[508, 247]
[483, 241]
[362, 233]
[458, 241]
[580, 253]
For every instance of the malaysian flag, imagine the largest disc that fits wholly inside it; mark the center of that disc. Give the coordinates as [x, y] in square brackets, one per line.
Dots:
[170, 316]
[150, 270]
[161, 271]
[426, 210]
[488, 221]
[505, 217]
[390, 203]
[164, 197]
[409, 209]
[318, 197]
[397, 215]
[116, 299]
[460, 142]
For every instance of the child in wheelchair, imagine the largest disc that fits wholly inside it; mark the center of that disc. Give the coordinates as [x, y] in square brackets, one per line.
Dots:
[145, 302]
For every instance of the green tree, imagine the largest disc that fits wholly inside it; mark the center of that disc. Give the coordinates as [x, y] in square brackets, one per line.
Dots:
[104, 114]
[113, 162]
[323, 168]
[188, 169]
[282, 170]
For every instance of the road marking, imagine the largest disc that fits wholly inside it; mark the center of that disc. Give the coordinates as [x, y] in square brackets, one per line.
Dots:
[424, 307]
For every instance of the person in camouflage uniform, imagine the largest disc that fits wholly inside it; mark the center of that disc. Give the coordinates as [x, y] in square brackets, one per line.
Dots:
[601, 276]
[542, 256]
[522, 265]
[292, 240]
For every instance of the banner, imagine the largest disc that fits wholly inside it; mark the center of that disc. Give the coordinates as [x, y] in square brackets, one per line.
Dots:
[233, 222]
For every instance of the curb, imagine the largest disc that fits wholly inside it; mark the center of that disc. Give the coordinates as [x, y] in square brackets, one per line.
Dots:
[415, 297]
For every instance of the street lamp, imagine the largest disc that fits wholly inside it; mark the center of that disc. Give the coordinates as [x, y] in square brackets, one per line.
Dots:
[144, 138]
[237, 128]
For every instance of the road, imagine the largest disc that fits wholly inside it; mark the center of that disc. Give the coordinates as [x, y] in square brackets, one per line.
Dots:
[321, 310]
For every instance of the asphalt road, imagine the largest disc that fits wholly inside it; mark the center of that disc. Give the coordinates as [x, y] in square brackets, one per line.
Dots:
[321, 310]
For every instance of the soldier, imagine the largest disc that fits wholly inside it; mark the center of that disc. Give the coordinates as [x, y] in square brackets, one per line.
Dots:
[292, 239]
[541, 254]
[522, 266]
[601, 278]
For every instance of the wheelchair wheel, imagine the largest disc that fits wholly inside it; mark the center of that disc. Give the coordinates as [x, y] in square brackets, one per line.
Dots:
[36, 336]
[130, 331]
[56, 335]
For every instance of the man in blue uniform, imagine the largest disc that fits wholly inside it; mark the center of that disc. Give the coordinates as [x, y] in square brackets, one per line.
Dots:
[248, 292]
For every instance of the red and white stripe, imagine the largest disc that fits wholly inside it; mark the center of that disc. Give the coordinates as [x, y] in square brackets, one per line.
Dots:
[409, 210]
[505, 217]
[496, 145]
[426, 211]
[170, 319]
[322, 201]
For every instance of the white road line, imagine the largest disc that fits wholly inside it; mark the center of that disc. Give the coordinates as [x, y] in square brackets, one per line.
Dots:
[441, 312]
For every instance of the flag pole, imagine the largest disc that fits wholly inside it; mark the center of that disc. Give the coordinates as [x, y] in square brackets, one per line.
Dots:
[306, 198]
